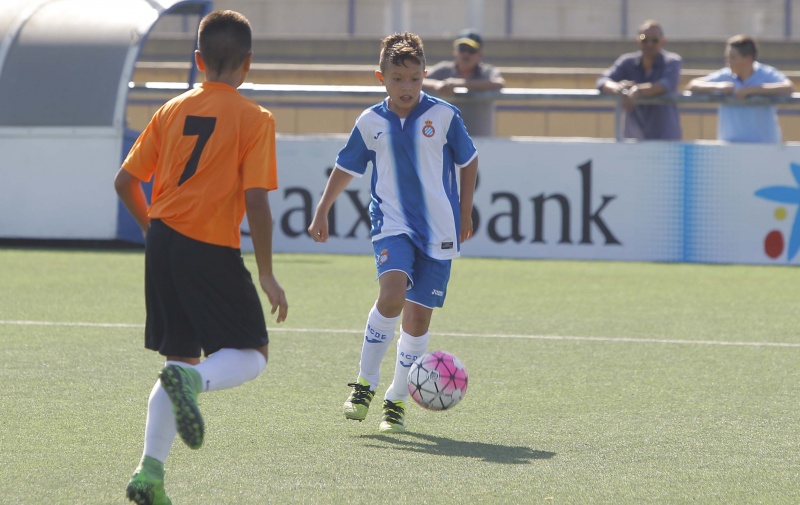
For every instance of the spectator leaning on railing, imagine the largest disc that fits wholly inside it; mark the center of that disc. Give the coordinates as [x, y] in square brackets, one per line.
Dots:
[467, 70]
[650, 71]
[744, 77]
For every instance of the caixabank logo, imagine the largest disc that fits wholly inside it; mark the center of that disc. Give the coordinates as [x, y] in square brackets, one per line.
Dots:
[775, 240]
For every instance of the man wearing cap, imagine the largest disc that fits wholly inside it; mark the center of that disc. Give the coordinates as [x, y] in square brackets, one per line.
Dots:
[466, 70]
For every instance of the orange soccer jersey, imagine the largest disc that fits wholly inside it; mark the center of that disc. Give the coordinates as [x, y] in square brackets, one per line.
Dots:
[206, 147]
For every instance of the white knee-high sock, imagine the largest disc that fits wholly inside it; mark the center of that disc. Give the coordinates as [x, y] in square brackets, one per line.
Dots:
[378, 334]
[228, 368]
[159, 429]
[409, 348]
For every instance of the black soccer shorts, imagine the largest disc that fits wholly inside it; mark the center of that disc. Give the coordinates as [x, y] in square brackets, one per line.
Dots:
[199, 296]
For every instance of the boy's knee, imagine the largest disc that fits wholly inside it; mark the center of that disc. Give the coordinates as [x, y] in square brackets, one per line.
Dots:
[264, 352]
[390, 306]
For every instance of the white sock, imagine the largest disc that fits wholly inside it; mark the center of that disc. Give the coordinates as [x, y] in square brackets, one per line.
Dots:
[409, 348]
[159, 429]
[228, 368]
[378, 334]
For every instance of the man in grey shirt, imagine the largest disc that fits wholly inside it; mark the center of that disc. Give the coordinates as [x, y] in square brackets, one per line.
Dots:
[466, 70]
[648, 72]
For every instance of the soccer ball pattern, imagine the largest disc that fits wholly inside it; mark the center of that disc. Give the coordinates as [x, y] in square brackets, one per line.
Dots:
[437, 380]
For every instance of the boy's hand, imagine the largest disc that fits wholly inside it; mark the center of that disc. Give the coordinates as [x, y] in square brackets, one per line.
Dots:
[319, 228]
[275, 295]
[466, 227]
[338, 180]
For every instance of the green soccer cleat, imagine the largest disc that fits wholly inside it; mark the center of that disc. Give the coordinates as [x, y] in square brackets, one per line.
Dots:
[357, 404]
[182, 386]
[394, 417]
[146, 487]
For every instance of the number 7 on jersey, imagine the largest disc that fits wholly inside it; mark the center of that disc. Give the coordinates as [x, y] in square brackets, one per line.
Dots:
[203, 127]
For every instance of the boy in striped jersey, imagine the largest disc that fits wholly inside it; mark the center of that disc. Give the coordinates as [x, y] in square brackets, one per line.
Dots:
[419, 215]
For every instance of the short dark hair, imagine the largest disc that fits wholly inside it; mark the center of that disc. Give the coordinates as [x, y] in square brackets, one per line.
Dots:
[224, 38]
[400, 48]
[745, 45]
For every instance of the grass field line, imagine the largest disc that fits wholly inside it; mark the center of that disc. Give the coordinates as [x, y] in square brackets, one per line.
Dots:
[447, 334]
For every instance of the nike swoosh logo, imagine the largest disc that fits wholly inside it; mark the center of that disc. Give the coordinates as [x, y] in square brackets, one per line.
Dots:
[372, 340]
[407, 366]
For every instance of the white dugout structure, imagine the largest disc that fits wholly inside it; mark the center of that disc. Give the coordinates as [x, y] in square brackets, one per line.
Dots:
[65, 67]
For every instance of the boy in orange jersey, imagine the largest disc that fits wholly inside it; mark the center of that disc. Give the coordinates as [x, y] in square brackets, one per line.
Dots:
[212, 152]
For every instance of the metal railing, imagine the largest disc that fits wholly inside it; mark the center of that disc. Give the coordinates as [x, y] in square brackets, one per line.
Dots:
[267, 92]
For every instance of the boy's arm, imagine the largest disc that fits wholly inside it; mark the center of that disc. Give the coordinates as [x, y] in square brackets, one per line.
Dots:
[469, 177]
[338, 180]
[259, 217]
[130, 192]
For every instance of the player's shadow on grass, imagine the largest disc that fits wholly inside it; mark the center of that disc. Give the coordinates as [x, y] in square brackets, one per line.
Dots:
[440, 446]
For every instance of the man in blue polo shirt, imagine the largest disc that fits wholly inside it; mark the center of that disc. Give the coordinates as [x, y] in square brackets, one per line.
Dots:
[650, 71]
[744, 77]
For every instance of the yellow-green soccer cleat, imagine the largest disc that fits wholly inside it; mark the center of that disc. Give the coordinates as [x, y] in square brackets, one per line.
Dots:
[146, 487]
[357, 404]
[182, 386]
[394, 417]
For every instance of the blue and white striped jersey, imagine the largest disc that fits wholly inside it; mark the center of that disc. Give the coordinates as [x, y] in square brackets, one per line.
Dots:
[414, 189]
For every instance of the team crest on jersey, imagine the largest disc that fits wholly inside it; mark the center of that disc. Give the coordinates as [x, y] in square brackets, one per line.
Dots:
[383, 257]
[428, 130]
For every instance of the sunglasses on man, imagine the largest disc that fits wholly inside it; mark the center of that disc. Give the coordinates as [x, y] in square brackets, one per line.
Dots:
[645, 39]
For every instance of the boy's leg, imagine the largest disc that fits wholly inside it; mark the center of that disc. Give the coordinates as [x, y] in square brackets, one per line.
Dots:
[229, 368]
[159, 430]
[147, 484]
[378, 334]
[182, 384]
[409, 348]
[146, 487]
[429, 291]
[223, 369]
[217, 297]
[394, 258]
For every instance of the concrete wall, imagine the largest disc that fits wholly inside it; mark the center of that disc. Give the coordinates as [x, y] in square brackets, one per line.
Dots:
[563, 19]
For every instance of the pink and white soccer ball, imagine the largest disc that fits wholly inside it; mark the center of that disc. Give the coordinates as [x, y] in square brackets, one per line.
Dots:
[437, 380]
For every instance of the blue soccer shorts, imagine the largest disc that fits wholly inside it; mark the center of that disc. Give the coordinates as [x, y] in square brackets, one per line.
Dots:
[427, 277]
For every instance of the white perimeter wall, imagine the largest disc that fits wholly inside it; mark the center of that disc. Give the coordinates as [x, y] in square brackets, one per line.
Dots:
[58, 182]
[579, 199]
[536, 198]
